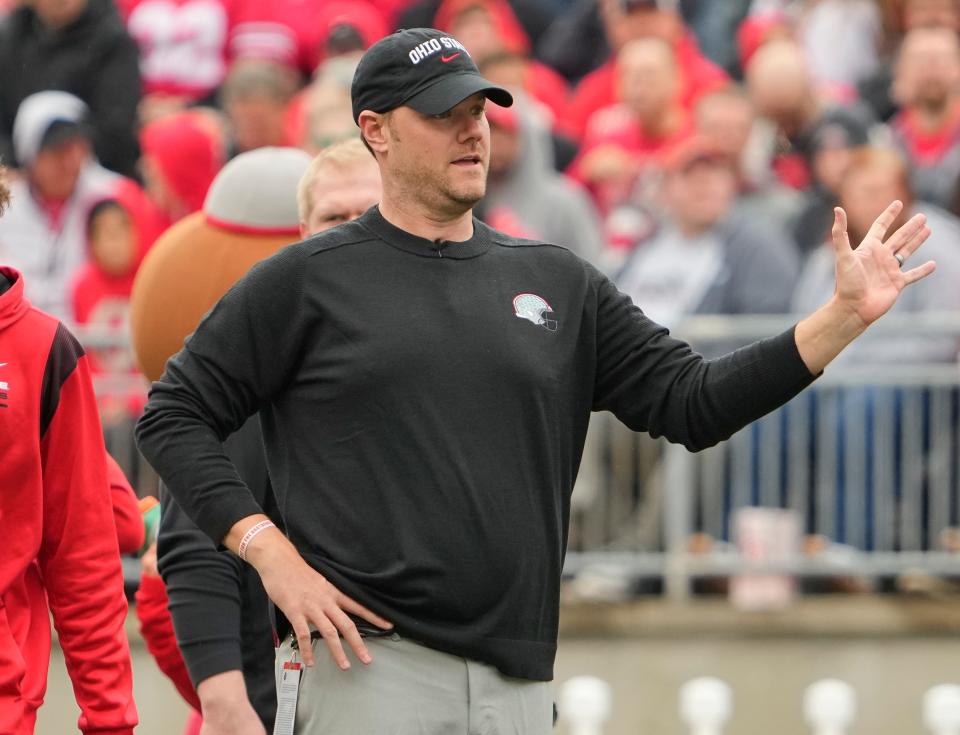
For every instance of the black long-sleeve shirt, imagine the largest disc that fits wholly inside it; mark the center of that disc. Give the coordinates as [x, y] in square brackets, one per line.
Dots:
[219, 608]
[424, 408]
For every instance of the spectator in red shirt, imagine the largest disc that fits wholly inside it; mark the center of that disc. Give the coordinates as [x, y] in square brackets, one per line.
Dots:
[624, 139]
[635, 19]
[927, 129]
[121, 228]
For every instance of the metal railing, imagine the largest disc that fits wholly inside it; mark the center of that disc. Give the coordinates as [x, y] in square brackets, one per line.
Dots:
[866, 460]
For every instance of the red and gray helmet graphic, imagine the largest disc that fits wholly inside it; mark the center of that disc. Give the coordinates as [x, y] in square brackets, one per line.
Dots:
[534, 308]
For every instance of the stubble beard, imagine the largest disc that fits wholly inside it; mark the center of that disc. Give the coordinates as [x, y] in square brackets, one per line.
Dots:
[467, 195]
[437, 191]
[451, 198]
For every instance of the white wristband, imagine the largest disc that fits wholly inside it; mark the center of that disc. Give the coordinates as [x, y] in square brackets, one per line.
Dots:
[250, 535]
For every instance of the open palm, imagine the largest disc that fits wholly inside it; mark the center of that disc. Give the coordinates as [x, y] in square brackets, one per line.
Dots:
[869, 278]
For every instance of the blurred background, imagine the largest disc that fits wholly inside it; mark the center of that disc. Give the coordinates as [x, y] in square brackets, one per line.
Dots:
[693, 151]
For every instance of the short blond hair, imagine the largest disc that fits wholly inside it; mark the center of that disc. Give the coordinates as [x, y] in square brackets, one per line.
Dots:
[4, 189]
[341, 156]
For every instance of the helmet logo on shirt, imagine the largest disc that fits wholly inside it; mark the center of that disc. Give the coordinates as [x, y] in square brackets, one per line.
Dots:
[535, 309]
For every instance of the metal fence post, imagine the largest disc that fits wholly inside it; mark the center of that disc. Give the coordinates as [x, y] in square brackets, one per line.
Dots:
[678, 492]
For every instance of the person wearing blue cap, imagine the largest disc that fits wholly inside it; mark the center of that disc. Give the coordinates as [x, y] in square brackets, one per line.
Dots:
[424, 384]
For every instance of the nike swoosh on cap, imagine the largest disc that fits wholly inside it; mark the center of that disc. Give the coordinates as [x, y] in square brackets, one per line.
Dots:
[447, 59]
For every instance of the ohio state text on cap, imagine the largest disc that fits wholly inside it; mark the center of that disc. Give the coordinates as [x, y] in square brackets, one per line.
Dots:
[423, 68]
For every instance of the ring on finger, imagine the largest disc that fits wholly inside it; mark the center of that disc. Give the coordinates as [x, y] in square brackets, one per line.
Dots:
[899, 258]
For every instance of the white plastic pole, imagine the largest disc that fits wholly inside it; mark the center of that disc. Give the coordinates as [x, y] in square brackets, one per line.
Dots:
[941, 709]
[706, 704]
[585, 704]
[829, 707]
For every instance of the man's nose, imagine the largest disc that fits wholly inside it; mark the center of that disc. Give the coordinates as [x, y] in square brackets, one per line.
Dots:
[472, 127]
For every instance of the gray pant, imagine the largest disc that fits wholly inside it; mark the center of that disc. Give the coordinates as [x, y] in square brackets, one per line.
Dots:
[410, 689]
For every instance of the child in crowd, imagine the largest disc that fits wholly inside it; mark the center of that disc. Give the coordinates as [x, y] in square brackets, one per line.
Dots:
[120, 231]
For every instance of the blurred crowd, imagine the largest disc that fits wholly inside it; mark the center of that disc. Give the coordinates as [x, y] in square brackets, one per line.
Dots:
[693, 150]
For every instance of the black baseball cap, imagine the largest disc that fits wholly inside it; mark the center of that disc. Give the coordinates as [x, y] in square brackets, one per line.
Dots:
[423, 68]
[837, 129]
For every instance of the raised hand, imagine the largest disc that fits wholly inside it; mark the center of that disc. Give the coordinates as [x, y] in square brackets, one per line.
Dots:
[869, 282]
[869, 278]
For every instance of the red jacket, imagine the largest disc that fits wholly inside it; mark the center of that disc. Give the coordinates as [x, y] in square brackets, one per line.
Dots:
[126, 510]
[60, 548]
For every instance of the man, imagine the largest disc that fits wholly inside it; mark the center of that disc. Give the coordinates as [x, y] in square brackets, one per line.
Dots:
[622, 140]
[706, 257]
[57, 516]
[526, 196]
[907, 15]
[255, 95]
[218, 605]
[80, 47]
[340, 184]
[926, 83]
[624, 21]
[830, 148]
[424, 384]
[728, 117]
[44, 234]
[784, 92]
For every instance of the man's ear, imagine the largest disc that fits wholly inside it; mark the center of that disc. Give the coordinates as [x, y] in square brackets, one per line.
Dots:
[373, 129]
